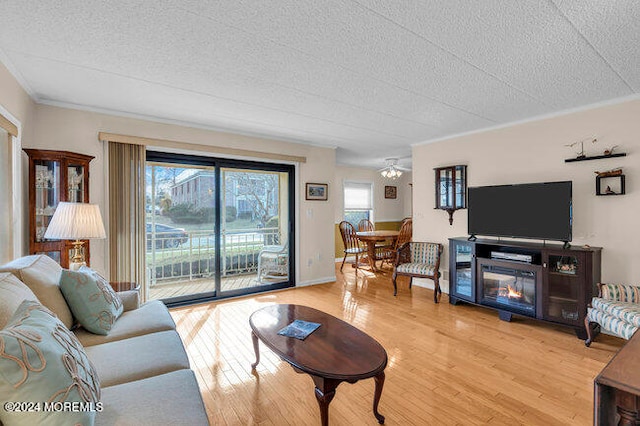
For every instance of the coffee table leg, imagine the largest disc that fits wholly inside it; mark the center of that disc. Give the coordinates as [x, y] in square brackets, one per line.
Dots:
[379, 379]
[325, 391]
[256, 349]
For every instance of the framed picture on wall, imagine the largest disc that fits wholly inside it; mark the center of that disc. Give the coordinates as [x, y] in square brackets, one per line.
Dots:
[317, 191]
[391, 192]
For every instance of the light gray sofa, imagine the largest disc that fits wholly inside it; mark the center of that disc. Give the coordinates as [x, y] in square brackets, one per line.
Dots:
[141, 364]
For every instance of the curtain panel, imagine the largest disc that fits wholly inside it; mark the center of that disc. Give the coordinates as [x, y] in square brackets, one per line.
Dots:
[127, 238]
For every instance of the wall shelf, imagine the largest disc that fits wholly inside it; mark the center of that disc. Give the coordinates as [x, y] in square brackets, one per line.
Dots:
[620, 185]
[595, 157]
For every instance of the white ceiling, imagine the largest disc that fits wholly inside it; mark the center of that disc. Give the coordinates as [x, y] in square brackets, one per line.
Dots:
[370, 77]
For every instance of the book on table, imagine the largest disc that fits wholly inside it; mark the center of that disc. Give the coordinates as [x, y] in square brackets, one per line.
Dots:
[299, 329]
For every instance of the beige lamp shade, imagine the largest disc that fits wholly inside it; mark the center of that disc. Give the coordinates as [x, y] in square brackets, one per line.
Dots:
[76, 221]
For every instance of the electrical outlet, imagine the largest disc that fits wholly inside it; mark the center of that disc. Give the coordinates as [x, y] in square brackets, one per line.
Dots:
[309, 262]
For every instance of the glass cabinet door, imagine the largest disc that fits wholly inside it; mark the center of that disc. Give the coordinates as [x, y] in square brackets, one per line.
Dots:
[47, 194]
[75, 183]
[462, 270]
[564, 287]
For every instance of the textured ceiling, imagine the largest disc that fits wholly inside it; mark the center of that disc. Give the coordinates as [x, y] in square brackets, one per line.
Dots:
[370, 77]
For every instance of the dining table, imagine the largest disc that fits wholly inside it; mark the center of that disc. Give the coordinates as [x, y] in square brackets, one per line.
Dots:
[371, 238]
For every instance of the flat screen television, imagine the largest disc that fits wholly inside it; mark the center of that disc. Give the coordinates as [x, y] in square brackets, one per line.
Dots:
[540, 211]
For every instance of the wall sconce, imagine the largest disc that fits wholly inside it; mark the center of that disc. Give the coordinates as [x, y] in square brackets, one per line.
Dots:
[451, 189]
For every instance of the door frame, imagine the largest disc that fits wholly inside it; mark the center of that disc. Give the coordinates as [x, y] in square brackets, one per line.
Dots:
[218, 163]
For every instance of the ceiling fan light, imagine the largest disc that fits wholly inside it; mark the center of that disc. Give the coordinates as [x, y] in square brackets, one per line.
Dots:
[391, 171]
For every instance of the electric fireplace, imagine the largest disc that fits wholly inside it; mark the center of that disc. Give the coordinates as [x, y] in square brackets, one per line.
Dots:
[509, 286]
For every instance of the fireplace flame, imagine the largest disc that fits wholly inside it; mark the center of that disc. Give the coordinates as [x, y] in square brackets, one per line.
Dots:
[512, 293]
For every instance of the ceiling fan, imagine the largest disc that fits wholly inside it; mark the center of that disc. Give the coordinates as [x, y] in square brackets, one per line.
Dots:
[392, 170]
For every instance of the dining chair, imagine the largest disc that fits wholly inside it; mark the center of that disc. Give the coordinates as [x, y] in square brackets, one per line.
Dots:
[406, 232]
[382, 247]
[365, 225]
[351, 243]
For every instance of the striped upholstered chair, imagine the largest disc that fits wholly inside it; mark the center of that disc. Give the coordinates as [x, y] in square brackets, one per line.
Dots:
[616, 310]
[418, 259]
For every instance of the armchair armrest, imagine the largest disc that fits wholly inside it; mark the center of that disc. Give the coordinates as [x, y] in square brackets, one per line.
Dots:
[619, 292]
[130, 299]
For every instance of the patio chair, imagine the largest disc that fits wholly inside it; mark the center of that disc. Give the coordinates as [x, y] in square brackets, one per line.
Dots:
[273, 264]
[616, 310]
[351, 243]
[419, 259]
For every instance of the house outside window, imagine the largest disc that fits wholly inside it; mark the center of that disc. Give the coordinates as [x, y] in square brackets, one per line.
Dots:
[358, 202]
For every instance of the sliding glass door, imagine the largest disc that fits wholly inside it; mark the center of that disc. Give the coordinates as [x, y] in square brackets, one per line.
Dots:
[255, 227]
[216, 227]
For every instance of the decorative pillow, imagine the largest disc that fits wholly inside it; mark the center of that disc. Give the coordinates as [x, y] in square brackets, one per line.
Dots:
[46, 377]
[13, 292]
[91, 299]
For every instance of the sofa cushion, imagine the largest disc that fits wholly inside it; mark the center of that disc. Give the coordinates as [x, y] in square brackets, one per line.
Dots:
[92, 300]
[42, 274]
[12, 293]
[43, 362]
[155, 354]
[416, 269]
[620, 292]
[169, 399]
[151, 317]
[130, 299]
[611, 323]
[628, 312]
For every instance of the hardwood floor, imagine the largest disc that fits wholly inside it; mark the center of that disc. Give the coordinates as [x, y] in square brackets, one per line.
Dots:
[449, 365]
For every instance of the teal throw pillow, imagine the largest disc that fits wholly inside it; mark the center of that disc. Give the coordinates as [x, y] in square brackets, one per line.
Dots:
[45, 375]
[91, 299]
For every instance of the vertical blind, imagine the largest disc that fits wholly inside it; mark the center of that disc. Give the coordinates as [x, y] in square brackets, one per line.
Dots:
[357, 196]
[127, 238]
[6, 198]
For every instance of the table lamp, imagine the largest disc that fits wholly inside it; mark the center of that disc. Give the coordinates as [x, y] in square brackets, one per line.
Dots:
[76, 221]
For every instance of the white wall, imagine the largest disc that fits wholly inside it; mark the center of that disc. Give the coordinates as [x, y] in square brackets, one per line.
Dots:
[535, 152]
[73, 130]
[384, 209]
[17, 107]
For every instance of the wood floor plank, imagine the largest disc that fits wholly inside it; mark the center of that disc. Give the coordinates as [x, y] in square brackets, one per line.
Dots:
[448, 365]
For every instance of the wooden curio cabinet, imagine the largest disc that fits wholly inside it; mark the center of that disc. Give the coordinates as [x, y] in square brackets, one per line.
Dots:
[54, 176]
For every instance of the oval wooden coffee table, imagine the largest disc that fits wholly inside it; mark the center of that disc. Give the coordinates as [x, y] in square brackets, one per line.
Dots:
[334, 353]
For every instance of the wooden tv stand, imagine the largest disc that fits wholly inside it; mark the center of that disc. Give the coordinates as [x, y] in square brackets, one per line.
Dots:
[542, 281]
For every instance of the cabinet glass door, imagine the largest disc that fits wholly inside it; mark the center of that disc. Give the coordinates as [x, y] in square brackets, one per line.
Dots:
[47, 194]
[463, 271]
[75, 183]
[564, 287]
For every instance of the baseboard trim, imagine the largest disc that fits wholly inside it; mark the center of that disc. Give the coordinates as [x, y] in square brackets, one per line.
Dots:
[323, 280]
[427, 283]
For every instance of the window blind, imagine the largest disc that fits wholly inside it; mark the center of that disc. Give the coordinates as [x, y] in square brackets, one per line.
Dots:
[357, 196]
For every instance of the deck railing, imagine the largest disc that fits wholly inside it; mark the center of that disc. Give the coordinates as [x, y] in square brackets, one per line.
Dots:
[173, 257]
